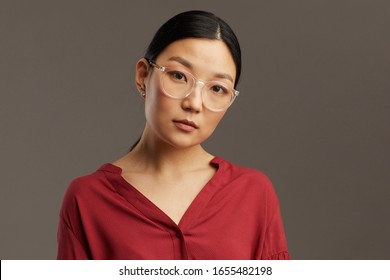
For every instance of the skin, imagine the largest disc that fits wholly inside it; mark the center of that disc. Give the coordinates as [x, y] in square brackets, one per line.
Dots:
[167, 159]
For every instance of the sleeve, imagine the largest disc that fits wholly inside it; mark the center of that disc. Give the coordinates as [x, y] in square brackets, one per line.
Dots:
[69, 247]
[274, 245]
[71, 240]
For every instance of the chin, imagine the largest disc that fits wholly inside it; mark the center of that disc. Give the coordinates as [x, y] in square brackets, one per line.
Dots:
[183, 142]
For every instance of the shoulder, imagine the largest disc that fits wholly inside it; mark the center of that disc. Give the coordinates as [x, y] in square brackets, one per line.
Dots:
[87, 188]
[250, 175]
[85, 196]
[249, 180]
[85, 184]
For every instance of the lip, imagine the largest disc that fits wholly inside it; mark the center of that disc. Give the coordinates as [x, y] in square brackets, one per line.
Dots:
[186, 125]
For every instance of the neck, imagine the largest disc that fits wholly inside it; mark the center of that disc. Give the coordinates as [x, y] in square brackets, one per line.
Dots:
[160, 157]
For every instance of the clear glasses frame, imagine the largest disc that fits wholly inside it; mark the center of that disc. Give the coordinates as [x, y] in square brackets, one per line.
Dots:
[234, 92]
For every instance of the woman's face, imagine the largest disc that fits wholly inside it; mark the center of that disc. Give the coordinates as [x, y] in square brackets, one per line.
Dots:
[184, 122]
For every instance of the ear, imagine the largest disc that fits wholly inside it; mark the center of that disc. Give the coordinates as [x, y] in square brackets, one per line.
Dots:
[141, 74]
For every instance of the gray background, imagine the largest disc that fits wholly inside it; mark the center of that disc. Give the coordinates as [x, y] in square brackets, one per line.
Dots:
[313, 113]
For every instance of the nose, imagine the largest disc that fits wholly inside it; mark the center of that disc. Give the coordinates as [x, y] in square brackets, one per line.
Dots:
[193, 102]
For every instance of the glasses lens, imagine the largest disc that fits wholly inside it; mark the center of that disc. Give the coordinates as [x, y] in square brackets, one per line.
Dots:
[177, 83]
[217, 95]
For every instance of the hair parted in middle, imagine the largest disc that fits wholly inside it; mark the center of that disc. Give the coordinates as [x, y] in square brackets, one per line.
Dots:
[195, 24]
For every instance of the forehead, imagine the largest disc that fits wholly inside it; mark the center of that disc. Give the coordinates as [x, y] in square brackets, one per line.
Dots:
[204, 55]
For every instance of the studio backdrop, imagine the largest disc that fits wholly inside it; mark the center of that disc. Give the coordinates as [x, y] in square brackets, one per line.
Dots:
[313, 113]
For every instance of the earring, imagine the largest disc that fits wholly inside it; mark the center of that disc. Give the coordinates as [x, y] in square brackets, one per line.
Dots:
[142, 92]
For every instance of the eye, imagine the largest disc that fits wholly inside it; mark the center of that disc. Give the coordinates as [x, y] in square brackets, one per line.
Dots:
[219, 89]
[177, 76]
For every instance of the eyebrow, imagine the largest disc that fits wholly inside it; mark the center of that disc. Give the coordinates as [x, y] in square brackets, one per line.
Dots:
[181, 60]
[189, 65]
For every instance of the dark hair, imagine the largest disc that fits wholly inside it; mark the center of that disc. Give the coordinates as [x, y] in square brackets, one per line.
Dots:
[194, 24]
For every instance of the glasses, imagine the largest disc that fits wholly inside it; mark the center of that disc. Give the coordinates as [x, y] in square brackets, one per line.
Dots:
[217, 96]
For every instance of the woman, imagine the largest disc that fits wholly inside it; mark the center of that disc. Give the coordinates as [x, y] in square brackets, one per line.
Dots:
[168, 198]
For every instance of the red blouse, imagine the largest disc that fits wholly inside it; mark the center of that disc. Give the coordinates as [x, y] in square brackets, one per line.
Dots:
[235, 216]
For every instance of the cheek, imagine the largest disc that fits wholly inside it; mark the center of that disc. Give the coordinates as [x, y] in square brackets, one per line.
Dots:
[152, 100]
[158, 107]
